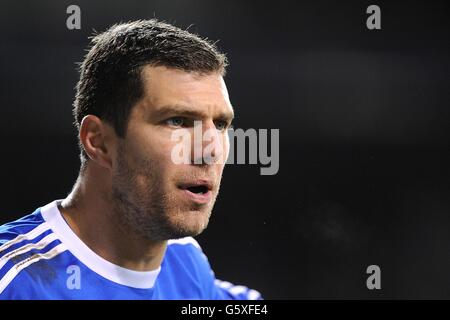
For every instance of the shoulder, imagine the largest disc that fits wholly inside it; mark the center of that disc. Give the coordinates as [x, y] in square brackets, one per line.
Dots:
[187, 242]
[24, 242]
[23, 228]
[187, 267]
[187, 258]
[189, 249]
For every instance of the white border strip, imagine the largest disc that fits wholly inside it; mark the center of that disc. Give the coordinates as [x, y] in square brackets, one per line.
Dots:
[99, 265]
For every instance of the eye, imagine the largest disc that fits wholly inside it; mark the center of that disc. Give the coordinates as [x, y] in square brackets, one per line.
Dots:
[221, 125]
[176, 121]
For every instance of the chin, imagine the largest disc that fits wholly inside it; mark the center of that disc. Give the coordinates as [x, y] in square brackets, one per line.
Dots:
[191, 223]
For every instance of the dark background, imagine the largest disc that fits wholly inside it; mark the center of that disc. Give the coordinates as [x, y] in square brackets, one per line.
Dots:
[364, 127]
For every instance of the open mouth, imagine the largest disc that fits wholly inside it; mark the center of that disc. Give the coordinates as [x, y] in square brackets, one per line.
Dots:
[198, 191]
[197, 187]
[201, 189]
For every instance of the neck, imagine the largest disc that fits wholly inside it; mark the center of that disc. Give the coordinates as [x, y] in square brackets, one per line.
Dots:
[89, 212]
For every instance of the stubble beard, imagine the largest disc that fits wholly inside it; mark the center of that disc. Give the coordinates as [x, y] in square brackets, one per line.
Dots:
[142, 206]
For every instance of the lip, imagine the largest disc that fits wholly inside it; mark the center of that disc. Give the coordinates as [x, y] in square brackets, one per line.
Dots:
[200, 198]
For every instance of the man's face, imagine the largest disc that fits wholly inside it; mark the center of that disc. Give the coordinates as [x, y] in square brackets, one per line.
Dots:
[156, 197]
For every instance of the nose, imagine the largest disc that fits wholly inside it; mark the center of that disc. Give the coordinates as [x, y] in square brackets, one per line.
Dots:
[208, 143]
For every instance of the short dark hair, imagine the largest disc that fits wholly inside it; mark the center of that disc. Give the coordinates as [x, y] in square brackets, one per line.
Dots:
[110, 76]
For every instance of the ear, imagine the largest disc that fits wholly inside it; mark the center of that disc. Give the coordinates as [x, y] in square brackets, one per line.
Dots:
[97, 138]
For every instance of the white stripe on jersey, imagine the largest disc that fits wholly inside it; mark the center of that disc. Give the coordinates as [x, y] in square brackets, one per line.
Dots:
[186, 240]
[14, 271]
[27, 236]
[223, 284]
[253, 295]
[29, 246]
[236, 290]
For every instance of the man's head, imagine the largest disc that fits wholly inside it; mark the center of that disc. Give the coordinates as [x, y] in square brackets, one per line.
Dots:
[139, 83]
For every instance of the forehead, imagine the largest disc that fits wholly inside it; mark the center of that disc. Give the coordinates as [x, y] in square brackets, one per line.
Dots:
[168, 86]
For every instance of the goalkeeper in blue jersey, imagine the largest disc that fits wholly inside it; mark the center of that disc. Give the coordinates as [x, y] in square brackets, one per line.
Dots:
[125, 230]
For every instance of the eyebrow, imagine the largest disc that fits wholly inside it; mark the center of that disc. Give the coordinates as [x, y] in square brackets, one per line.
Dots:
[181, 110]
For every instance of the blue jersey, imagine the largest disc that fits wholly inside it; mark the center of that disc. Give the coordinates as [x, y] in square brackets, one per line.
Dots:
[42, 258]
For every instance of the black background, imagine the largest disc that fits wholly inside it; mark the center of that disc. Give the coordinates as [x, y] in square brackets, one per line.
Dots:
[364, 135]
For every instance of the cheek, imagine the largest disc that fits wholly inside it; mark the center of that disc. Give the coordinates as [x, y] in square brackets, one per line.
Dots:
[149, 154]
[152, 146]
[145, 163]
[153, 173]
[219, 170]
[226, 147]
